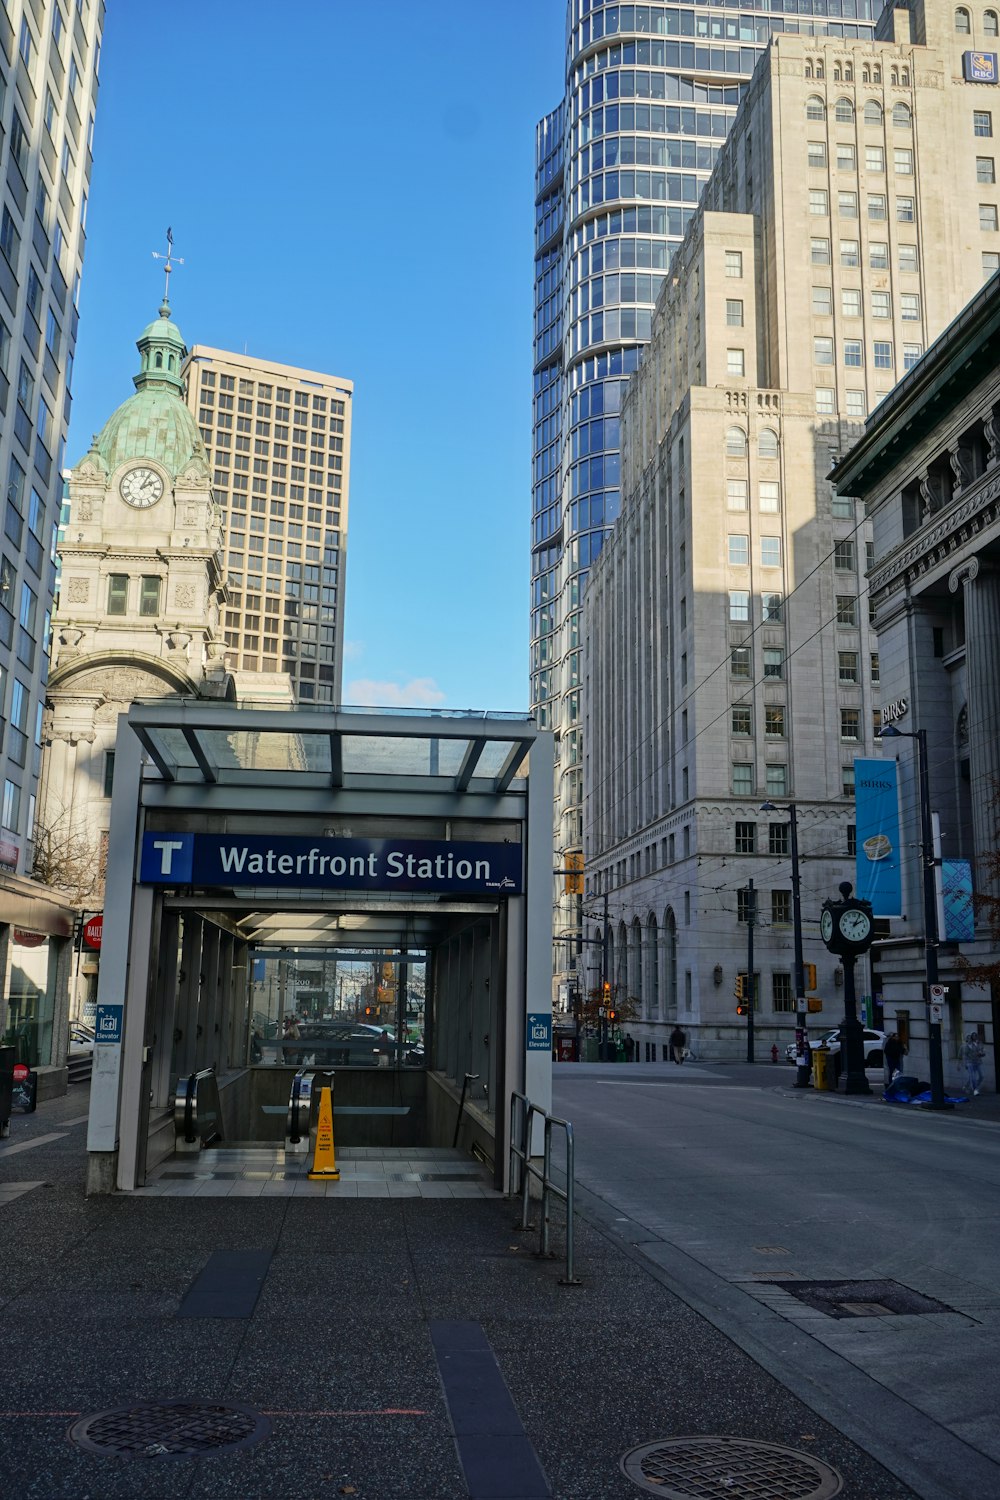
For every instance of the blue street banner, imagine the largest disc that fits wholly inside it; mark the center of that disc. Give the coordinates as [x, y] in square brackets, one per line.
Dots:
[426, 866]
[878, 877]
[956, 895]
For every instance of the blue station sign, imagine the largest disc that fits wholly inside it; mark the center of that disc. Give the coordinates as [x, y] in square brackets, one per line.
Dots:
[979, 67]
[426, 866]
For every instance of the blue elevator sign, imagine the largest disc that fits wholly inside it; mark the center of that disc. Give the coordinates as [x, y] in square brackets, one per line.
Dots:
[413, 865]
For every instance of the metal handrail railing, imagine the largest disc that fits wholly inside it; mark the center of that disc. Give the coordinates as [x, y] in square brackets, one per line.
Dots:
[299, 1109]
[520, 1151]
[193, 1121]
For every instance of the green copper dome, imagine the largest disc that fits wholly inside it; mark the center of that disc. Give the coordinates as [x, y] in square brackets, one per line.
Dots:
[154, 423]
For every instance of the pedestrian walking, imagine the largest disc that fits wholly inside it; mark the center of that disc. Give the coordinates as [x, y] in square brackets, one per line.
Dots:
[384, 1049]
[972, 1055]
[892, 1056]
[678, 1044]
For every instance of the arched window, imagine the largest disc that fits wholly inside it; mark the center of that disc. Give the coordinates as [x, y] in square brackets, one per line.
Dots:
[837, 78]
[873, 112]
[158, 361]
[620, 971]
[904, 77]
[990, 27]
[653, 965]
[736, 442]
[809, 68]
[767, 443]
[848, 73]
[610, 971]
[844, 112]
[171, 362]
[901, 117]
[876, 75]
[669, 964]
[894, 78]
[962, 23]
[815, 108]
[866, 74]
[820, 73]
[635, 967]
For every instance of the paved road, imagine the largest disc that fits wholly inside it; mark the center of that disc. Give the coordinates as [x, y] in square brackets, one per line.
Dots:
[732, 1182]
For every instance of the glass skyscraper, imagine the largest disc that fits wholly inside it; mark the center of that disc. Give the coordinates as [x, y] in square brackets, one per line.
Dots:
[650, 94]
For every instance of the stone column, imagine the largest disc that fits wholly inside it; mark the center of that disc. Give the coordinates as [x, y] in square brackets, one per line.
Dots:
[981, 600]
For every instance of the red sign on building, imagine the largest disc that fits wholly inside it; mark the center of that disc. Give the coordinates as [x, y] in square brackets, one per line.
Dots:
[94, 931]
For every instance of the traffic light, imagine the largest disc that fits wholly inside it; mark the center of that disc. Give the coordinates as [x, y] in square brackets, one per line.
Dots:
[810, 970]
[742, 1009]
[607, 988]
[612, 1015]
[368, 1010]
[740, 987]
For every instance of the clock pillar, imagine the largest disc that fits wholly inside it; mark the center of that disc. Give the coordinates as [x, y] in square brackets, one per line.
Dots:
[846, 928]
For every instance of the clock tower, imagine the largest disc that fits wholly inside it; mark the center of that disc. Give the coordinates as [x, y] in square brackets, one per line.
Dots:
[141, 592]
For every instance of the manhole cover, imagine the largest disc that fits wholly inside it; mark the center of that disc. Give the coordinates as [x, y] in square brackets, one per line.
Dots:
[703, 1468]
[861, 1299]
[169, 1429]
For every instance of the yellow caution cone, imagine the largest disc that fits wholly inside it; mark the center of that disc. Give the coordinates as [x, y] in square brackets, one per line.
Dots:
[324, 1164]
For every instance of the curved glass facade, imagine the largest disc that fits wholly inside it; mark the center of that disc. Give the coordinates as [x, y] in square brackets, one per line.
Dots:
[650, 94]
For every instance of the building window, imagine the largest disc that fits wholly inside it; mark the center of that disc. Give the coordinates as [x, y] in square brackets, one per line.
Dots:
[816, 151]
[773, 607]
[847, 666]
[118, 593]
[850, 253]
[991, 262]
[739, 551]
[739, 604]
[823, 351]
[149, 595]
[850, 301]
[736, 442]
[847, 609]
[988, 217]
[815, 108]
[878, 255]
[742, 719]
[734, 312]
[774, 721]
[883, 355]
[876, 205]
[990, 23]
[778, 838]
[825, 401]
[781, 908]
[822, 301]
[908, 258]
[843, 112]
[11, 814]
[847, 780]
[777, 781]
[881, 306]
[742, 780]
[736, 494]
[903, 162]
[854, 354]
[847, 205]
[767, 443]
[962, 23]
[982, 123]
[905, 210]
[774, 662]
[909, 306]
[874, 673]
[857, 408]
[735, 362]
[739, 661]
[769, 492]
[843, 554]
[846, 160]
[782, 997]
[819, 252]
[746, 838]
[770, 551]
[985, 169]
[901, 117]
[109, 772]
[850, 723]
[734, 263]
[874, 159]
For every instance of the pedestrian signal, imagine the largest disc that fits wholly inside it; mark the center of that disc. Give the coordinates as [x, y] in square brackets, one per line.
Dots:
[741, 1009]
[612, 1015]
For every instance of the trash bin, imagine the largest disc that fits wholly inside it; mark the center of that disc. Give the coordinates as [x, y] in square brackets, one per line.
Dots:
[822, 1070]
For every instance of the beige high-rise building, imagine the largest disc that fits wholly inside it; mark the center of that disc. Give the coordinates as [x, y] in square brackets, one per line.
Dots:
[279, 439]
[730, 658]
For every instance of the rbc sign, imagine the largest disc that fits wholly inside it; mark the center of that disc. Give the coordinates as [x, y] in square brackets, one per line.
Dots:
[979, 67]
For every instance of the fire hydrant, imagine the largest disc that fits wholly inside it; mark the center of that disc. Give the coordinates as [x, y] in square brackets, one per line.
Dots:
[774, 1053]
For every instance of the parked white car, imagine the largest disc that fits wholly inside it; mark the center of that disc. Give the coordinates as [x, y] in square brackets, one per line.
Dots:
[874, 1043]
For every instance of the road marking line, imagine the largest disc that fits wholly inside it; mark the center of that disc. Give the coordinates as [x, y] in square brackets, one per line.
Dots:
[39, 1140]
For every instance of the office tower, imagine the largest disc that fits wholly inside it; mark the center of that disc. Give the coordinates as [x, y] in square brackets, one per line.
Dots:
[731, 658]
[48, 97]
[650, 94]
[280, 441]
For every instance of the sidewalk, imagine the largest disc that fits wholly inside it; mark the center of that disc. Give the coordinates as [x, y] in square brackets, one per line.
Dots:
[399, 1348]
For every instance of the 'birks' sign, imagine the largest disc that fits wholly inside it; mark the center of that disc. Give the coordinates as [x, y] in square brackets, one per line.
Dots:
[413, 865]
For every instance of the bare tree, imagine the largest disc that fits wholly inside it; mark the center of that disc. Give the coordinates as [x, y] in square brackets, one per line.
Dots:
[67, 861]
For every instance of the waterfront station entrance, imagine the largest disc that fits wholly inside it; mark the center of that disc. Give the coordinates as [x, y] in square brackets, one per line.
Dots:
[353, 898]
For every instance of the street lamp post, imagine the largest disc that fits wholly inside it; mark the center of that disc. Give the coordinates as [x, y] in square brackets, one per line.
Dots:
[931, 936]
[802, 1070]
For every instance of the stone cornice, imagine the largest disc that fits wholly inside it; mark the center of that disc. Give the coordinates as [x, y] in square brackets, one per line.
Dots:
[941, 537]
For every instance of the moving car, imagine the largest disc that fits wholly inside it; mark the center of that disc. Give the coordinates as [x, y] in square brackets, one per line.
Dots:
[874, 1043]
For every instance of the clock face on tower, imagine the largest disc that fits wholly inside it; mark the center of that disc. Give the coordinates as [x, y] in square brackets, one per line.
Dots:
[855, 925]
[141, 488]
[826, 926]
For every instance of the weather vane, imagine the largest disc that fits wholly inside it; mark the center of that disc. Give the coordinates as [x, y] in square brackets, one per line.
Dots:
[170, 260]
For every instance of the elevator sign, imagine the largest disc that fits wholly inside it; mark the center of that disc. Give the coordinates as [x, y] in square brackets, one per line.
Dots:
[412, 865]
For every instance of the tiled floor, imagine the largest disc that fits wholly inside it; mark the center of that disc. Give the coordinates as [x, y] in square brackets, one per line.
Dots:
[365, 1172]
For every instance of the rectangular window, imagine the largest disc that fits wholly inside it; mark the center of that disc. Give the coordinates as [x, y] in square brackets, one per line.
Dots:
[11, 814]
[850, 301]
[778, 838]
[781, 908]
[782, 996]
[742, 720]
[819, 252]
[846, 159]
[9, 238]
[739, 661]
[746, 838]
[774, 662]
[988, 217]
[985, 169]
[109, 772]
[847, 666]
[773, 607]
[149, 595]
[816, 151]
[770, 551]
[881, 306]
[909, 306]
[911, 354]
[742, 780]
[822, 301]
[982, 122]
[843, 554]
[739, 605]
[734, 263]
[847, 205]
[769, 491]
[850, 723]
[819, 202]
[902, 159]
[777, 781]
[774, 721]
[847, 609]
[874, 159]
[823, 351]
[25, 388]
[825, 401]
[906, 210]
[739, 551]
[847, 780]
[878, 255]
[854, 356]
[29, 609]
[734, 312]
[876, 205]
[850, 253]
[991, 262]
[857, 407]
[875, 668]
[117, 593]
[883, 355]
[736, 494]
[735, 362]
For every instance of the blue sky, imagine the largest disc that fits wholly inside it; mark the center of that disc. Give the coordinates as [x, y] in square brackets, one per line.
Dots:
[354, 194]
